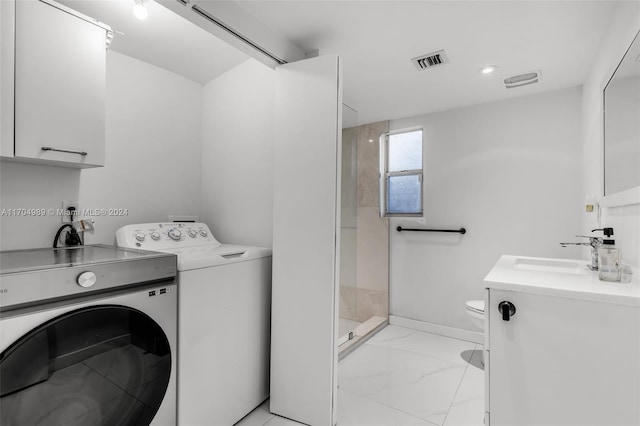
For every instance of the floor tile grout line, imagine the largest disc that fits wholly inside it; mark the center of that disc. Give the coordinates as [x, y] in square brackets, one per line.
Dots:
[374, 343]
[466, 366]
[473, 347]
[391, 408]
[405, 412]
[425, 355]
[458, 388]
[430, 333]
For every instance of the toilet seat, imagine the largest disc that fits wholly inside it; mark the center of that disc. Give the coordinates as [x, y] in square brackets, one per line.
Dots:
[476, 306]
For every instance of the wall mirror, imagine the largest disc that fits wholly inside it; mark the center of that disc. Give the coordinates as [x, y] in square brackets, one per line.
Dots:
[622, 125]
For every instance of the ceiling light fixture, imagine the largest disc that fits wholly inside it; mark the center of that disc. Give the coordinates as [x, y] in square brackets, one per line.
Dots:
[139, 10]
[488, 69]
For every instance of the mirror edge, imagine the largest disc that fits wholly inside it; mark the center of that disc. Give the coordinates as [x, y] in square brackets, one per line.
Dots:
[631, 195]
[622, 198]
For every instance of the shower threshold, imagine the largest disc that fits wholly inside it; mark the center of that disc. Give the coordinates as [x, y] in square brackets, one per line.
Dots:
[349, 341]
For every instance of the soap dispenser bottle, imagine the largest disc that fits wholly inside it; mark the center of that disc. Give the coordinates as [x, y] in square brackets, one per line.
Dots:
[609, 257]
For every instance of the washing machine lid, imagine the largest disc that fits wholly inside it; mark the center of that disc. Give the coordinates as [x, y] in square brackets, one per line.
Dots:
[476, 306]
[210, 256]
[192, 242]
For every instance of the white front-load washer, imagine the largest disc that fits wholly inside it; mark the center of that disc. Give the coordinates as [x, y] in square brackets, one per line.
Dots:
[224, 311]
[88, 336]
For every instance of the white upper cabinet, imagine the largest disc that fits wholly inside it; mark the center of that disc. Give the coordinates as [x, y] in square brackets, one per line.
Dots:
[7, 13]
[59, 84]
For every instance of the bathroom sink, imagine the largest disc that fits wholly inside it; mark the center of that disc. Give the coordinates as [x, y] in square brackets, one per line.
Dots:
[550, 265]
[570, 278]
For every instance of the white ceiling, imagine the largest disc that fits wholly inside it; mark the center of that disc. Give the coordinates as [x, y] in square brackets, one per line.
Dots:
[376, 40]
[164, 39]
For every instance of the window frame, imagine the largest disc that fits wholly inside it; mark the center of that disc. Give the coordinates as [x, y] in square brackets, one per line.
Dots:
[385, 174]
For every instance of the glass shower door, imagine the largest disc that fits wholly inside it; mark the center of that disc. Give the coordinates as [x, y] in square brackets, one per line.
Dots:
[364, 285]
[348, 227]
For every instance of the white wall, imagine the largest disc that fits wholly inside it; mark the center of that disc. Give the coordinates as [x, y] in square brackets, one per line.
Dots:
[237, 155]
[152, 160]
[509, 172]
[623, 26]
[26, 186]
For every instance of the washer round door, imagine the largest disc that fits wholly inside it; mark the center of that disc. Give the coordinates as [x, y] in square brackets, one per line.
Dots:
[99, 365]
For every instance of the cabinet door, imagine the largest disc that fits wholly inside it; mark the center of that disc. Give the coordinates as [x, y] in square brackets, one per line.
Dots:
[59, 85]
[561, 361]
[6, 77]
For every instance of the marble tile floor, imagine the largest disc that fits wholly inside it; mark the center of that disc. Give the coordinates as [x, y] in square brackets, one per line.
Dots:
[404, 377]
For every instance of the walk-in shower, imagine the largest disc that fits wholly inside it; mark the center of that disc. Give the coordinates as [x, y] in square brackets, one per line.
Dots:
[364, 241]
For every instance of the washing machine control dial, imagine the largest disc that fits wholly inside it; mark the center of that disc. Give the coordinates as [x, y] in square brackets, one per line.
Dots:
[175, 234]
[140, 236]
[86, 279]
[203, 232]
[193, 233]
[155, 236]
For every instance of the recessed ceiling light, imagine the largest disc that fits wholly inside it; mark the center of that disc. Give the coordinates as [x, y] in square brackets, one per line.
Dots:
[488, 69]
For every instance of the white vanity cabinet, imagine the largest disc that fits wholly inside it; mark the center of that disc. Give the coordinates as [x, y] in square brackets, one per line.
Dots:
[58, 85]
[569, 355]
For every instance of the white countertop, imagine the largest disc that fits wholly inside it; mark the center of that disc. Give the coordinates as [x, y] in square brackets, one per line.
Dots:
[533, 275]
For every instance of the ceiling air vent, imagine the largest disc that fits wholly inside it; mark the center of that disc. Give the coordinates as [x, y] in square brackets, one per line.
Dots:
[522, 79]
[430, 60]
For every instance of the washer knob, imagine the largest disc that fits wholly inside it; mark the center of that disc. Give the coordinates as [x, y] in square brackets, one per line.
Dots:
[174, 234]
[155, 236]
[86, 279]
[140, 236]
[203, 232]
[192, 233]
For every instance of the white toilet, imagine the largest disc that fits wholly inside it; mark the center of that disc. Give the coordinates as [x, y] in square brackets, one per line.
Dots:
[475, 309]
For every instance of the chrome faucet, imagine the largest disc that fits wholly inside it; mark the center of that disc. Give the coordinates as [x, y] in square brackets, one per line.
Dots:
[595, 243]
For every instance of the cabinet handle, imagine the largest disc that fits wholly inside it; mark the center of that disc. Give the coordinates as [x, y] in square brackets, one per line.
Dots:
[507, 309]
[48, 148]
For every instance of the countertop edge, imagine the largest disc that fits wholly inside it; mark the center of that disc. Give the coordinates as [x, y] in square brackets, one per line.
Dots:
[501, 277]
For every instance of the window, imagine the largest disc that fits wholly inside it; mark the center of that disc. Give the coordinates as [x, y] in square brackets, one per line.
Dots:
[401, 173]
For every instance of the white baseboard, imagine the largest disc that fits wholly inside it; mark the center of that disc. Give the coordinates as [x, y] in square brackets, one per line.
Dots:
[443, 330]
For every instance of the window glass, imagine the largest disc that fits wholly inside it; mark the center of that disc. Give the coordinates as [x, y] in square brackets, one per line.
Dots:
[404, 194]
[405, 151]
[401, 174]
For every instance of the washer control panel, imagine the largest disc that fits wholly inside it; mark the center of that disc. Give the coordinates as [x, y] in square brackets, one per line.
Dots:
[165, 235]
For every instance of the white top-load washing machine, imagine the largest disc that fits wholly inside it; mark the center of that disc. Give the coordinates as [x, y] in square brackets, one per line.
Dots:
[224, 311]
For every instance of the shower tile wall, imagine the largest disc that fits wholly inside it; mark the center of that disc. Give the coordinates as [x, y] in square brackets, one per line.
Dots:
[372, 231]
[348, 236]
[369, 294]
